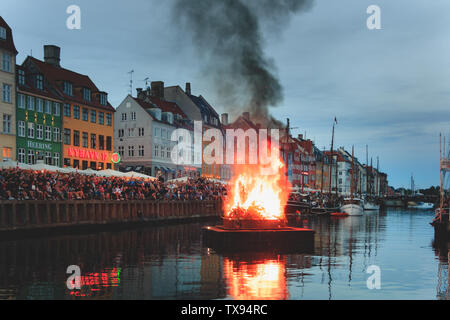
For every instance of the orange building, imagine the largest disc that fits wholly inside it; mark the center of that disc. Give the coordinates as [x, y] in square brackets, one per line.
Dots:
[88, 118]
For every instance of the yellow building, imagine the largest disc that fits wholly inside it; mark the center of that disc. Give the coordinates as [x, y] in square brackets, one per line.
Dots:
[8, 54]
[88, 118]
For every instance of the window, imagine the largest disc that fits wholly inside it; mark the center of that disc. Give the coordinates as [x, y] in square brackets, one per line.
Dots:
[30, 103]
[108, 166]
[109, 143]
[121, 133]
[6, 93]
[31, 157]
[103, 99]
[131, 151]
[76, 112]
[141, 132]
[93, 141]
[39, 131]
[131, 132]
[124, 117]
[76, 164]
[85, 140]
[86, 94]
[67, 88]
[84, 165]
[56, 135]
[67, 110]
[39, 105]
[39, 82]
[101, 118]
[66, 162]
[56, 157]
[163, 133]
[2, 33]
[48, 107]
[21, 155]
[67, 136]
[76, 138]
[85, 115]
[30, 130]
[121, 151]
[56, 109]
[6, 123]
[21, 77]
[6, 62]
[93, 165]
[108, 119]
[133, 116]
[21, 101]
[101, 142]
[141, 151]
[101, 166]
[21, 129]
[157, 131]
[93, 116]
[48, 158]
[156, 151]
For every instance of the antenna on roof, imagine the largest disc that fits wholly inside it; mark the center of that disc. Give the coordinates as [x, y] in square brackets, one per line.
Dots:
[146, 82]
[131, 81]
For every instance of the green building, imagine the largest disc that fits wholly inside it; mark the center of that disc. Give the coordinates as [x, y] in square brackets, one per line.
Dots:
[39, 119]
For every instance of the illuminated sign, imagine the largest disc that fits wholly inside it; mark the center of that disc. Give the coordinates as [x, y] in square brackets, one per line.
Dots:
[39, 145]
[115, 158]
[87, 154]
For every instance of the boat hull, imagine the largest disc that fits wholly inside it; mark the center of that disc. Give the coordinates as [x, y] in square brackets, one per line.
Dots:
[352, 209]
[371, 206]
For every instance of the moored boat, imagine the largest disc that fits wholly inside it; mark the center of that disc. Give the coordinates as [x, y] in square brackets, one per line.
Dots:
[353, 207]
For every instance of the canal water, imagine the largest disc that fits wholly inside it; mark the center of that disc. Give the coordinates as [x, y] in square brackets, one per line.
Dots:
[170, 262]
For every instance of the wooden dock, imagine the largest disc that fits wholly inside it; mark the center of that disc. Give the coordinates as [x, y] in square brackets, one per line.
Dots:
[35, 215]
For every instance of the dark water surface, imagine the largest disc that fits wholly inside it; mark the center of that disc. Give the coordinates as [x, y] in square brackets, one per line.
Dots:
[170, 262]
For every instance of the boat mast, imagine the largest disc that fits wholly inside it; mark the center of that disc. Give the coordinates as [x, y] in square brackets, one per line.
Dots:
[353, 173]
[331, 157]
[367, 170]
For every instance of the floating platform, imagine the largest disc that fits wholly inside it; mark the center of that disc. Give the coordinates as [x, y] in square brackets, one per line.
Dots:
[285, 239]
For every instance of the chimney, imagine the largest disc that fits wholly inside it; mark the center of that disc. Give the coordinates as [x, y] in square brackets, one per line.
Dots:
[246, 115]
[52, 55]
[140, 93]
[158, 89]
[225, 119]
[188, 88]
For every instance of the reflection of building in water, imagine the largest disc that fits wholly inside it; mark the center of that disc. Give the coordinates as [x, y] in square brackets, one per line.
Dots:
[155, 263]
[259, 279]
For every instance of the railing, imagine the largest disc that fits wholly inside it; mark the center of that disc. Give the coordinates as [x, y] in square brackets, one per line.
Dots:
[26, 215]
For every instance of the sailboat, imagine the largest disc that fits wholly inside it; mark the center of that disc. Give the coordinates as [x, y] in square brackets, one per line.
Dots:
[369, 203]
[352, 206]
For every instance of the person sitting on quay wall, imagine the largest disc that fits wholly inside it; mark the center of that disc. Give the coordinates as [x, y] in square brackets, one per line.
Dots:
[44, 185]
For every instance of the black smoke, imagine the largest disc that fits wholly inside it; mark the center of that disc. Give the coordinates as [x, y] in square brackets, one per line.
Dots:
[229, 38]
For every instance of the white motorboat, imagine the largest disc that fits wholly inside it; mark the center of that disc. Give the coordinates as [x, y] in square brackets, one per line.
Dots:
[353, 207]
[369, 205]
[422, 205]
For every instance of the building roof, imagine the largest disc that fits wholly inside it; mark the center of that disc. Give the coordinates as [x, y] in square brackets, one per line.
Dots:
[7, 44]
[29, 88]
[56, 76]
[165, 106]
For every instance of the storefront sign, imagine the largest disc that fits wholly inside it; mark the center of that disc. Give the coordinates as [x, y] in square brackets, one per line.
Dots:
[87, 154]
[39, 145]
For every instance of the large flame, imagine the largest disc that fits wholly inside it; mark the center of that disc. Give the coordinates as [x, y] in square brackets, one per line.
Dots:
[254, 194]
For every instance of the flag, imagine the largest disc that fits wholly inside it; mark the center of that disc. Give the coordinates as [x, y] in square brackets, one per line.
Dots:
[335, 120]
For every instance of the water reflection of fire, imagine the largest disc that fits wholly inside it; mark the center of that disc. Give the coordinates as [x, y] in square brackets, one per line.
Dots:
[260, 280]
[258, 196]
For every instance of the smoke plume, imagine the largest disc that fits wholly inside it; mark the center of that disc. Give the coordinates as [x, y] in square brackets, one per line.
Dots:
[229, 38]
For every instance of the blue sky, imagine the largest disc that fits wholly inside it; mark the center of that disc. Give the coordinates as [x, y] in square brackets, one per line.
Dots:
[388, 88]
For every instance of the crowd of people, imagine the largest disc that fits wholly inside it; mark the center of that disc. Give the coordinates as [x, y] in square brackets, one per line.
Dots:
[45, 185]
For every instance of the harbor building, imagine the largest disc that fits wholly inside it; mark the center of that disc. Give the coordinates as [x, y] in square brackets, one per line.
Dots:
[39, 120]
[8, 55]
[143, 134]
[88, 118]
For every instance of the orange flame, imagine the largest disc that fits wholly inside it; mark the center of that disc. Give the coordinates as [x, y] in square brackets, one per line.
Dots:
[254, 195]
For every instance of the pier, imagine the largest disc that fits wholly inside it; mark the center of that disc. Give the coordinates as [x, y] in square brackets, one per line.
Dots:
[42, 215]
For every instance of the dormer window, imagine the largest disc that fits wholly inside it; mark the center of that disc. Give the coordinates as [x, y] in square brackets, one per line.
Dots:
[67, 88]
[86, 94]
[2, 33]
[21, 77]
[39, 82]
[103, 99]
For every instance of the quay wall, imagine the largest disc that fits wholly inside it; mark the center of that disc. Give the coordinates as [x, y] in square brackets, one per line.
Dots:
[35, 215]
